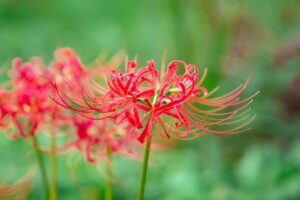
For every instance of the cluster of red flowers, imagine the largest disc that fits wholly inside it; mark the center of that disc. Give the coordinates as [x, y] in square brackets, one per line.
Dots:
[27, 107]
[107, 110]
[116, 106]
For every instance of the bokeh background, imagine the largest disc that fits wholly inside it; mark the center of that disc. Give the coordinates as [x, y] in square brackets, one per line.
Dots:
[232, 38]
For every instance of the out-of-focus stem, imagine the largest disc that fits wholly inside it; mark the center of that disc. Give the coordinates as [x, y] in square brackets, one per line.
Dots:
[41, 163]
[144, 169]
[108, 184]
[53, 191]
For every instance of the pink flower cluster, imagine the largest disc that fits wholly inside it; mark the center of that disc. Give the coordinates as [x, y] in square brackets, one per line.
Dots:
[108, 108]
[27, 107]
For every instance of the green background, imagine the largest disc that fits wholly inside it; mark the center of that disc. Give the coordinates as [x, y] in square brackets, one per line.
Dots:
[232, 38]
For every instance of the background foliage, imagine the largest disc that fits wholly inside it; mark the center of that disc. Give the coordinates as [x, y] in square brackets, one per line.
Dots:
[232, 38]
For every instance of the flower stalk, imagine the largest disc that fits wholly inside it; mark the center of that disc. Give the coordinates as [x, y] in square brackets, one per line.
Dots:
[108, 184]
[41, 163]
[144, 169]
[53, 190]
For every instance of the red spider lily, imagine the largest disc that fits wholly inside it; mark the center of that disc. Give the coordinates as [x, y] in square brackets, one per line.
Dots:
[29, 100]
[175, 104]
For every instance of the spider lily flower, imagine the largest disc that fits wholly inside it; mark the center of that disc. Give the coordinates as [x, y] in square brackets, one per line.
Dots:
[29, 96]
[174, 103]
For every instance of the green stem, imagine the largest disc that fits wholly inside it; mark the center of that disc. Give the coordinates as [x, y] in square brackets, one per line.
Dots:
[41, 163]
[144, 169]
[53, 191]
[108, 185]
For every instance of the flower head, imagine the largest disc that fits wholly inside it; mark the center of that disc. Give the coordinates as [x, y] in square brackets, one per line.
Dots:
[26, 101]
[174, 103]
